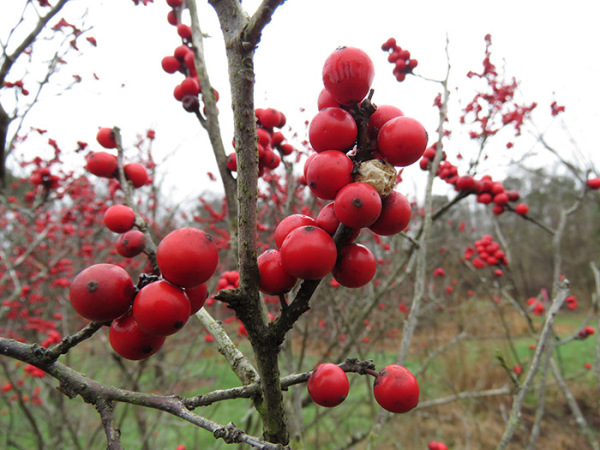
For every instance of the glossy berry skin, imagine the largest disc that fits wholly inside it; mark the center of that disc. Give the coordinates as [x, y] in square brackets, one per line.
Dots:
[290, 223]
[402, 141]
[328, 172]
[187, 257]
[396, 389]
[131, 342]
[131, 243]
[136, 173]
[382, 114]
[101, 164]
[161, 308]
[106, 138]
[332, 129]
[308, 252]
[347, 74]
[119, 218]
[395, 215]
[102, 292]
[274, 280]
[357, 205]
[328, 385]
[355, 266]
[197, 296]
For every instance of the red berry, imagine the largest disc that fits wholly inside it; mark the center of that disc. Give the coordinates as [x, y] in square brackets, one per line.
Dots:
[501, 199]
[328, 385]
[190, 86]
[396, 389]
[484, 198]
[170, 64]
[131, 243]
[357, 205]
[269, 117]
[101, 164]
[290, 223]
[308, 252]
[593, 183]
[395, 215]
[402, 141]
[187, 257]
[327, 219]
[435, 445]
[355, 266]
[274, 280]
[172, 18]
[181, 51]
[161, 308]
[347, 74]
[382, 114]
[131, 342]
[197, 296]
[328, 172]
[264, 137]
[136, 173]
[106, 138]
[332, 129]
[326, 100]
[101, 292]
[465, 183]
[232, 162]
[522, 209]
[119, 218]
[184, 31]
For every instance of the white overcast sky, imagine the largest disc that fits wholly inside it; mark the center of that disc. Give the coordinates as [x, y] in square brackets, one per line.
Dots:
[550, 46]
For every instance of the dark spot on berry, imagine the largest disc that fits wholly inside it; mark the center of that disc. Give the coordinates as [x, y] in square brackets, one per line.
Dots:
[177, 325]
[147, 350]
[357, 202]
[92, 286]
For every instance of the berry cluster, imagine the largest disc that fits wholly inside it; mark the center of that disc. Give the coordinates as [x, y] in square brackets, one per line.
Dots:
[400, 58]
[395, 387]
[183, 61]
[17, 84]
[486, 189]
[106, 165]
[358, 178]
[143, 316]
[272, 145]
[489, 253]
[536, 306]
[585, 332]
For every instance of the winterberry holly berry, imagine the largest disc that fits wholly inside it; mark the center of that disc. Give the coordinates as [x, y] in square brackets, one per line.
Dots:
[101, 292]
[396, 389]
[328, 385]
